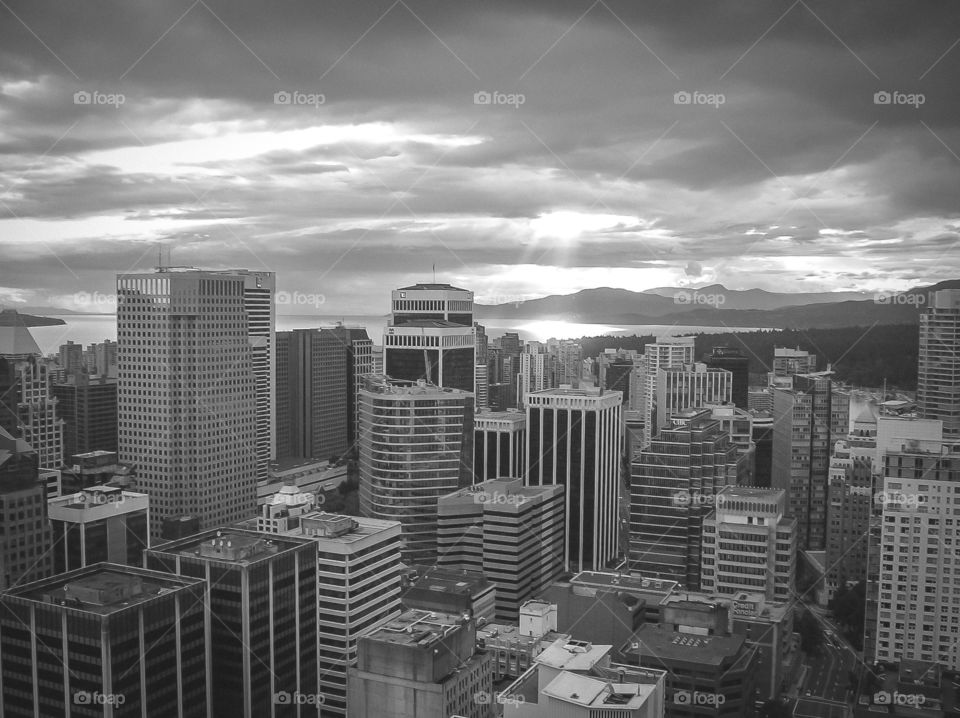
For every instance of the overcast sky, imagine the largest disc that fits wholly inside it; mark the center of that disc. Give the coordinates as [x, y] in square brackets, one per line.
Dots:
[783, 171]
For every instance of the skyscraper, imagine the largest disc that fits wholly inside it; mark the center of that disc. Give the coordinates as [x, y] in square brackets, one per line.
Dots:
[734, 361]
[749, 545]
[37, 411]
[71, 358]
[673, 485]
[99, 524]
[188, 393]
[850, 504]
[88, 407]
[261, 314]
[416, 445]
[263, 617]
[313, 394]
[510, 533]
[574, 438]
[106, 640]
[689, 386]
[499, 443]
[807, 421]
[536, 370]
[663, 353]
[938, 368]
[431, 336]
[25, 540]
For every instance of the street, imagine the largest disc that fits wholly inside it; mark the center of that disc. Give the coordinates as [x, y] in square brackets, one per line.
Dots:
[827, 678]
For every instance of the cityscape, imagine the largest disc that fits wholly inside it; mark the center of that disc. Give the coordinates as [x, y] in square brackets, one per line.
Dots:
[405, 359]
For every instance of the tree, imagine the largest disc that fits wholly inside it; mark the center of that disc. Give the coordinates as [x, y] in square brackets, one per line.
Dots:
[810, 636]
[849, 608]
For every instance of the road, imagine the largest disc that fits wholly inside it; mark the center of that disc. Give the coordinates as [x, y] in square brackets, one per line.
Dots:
[827, 679]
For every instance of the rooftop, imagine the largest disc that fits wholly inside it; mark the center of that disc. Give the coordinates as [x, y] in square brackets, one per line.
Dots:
[667, 645]
[625, 582]
[428, 324]
[102, 588]
[750, 492]
[382, 384]
[433, 287]
[597, 693]
[416, 628]
[568, 655]
[442, 580]
[236, 546]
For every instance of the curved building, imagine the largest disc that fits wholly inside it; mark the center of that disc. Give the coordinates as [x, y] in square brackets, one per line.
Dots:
[416, 445]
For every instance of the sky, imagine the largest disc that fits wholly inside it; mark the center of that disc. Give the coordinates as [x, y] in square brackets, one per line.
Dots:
[520, 148]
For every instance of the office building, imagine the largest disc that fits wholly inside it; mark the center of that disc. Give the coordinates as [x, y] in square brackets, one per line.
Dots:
[938, 366]
[263, 617]
[536, 371]
[71, 360]
[499, 442]
[431, 336]
[808, 419]
[88, 407]
[513, 647]
[574, 438]
[673, 484]
[690, 386]
[749, 545]
[788, 362]
[663, 353]
[738, 423]
[578, 679]
[102, 359]
[421, 664]
[101, 524]
[738, 364]
[762, 435]
[189, 398]
[25, 540]
[919, 586]
[512, 534]
[38, 419]
[106, 640]
[448, 590]
[416, 445]
[569, 364]
[850, 503]
[359, 358]
[313, 394]
[358, 583]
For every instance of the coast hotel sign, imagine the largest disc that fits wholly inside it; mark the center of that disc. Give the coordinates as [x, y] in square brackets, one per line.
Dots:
[744, 608]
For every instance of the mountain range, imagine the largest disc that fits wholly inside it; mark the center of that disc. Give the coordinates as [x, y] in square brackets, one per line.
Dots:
[716, 306]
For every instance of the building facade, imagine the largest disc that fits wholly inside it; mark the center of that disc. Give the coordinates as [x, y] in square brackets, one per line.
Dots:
[88, 407]
[938, 365]
[25, 542]
[499, 442]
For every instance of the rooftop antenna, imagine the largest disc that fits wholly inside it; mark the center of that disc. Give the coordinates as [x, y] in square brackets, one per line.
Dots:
[434, 272]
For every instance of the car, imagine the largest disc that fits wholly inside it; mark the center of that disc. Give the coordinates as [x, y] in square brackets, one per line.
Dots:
[809, 692]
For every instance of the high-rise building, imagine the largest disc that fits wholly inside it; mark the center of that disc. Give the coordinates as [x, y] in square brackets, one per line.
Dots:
[482, 387]
[938, 366]
[188, 394]
[734, 361]
[673, 485]
[263, 618]
[101, 524]
[577, 679]
[259, 289]
[25, 540]
[663, 353]
[88, 407]
[574, 438]
[569, 364]
[762, 436]
[38, 419]
[748, 544]
[499, 442]
[510, 533]
[106, 640]
[358, 583]
[359, 358]
[9, 397]
[921, 482]
[617, 376]
[738, 423]
[423, 664]
[104, 358]
[850, 502]
[416, 445]
[71, 358]
[807, 421]
[313, 394]
[788, 362]
[690, 386]
[482, 343]
[536, 370]
[431, 336]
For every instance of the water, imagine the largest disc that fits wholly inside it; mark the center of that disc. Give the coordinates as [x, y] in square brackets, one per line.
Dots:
[90, 328]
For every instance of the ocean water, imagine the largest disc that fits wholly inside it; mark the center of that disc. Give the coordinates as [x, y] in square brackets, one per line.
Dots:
[89, 328]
